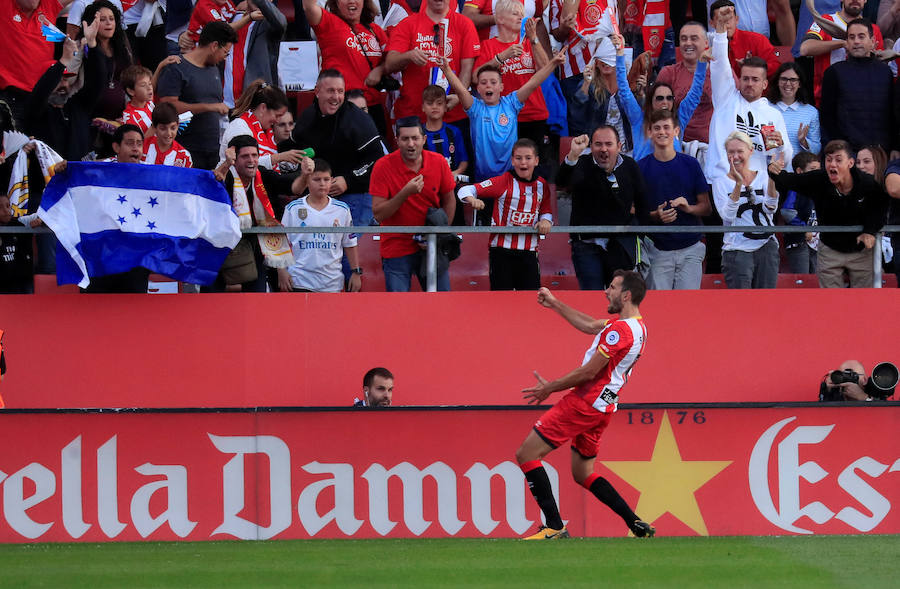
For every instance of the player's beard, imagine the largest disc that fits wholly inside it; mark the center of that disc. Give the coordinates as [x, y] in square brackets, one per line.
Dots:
[615, 306]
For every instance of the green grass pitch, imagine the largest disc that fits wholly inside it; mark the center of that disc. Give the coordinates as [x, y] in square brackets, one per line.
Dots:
[783, 562]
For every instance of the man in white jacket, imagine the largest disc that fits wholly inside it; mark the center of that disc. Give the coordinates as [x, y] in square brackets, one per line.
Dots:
[741, 108]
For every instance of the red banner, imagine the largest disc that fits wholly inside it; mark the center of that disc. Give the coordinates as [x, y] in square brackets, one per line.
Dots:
[444, 348]
[438, 473]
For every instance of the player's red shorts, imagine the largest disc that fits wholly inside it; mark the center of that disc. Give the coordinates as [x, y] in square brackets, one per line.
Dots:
[572, 418]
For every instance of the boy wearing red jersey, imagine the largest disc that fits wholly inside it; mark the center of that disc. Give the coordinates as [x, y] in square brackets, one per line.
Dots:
[522, 200]
[161, 148]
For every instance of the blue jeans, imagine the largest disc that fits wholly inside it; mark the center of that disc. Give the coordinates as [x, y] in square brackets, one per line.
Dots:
[360, 204]
[594, 265]
[398, 273]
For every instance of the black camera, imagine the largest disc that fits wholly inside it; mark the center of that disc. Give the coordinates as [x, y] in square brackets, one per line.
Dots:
[881, 384]
[842, 376]
[883, 381]
[388, 84]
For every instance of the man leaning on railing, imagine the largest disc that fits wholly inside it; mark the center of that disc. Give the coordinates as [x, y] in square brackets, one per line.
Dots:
[843, 196]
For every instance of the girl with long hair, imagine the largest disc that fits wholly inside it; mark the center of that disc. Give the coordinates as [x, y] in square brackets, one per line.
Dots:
[254, 114]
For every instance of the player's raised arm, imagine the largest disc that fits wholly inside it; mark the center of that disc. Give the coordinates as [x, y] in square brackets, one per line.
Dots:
[579, 320]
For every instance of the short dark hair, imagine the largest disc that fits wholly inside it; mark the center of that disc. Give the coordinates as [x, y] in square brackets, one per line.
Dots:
[132, 74]
[803, 159]
[526, 143]
[663, 114]
[217, 32]
[607, 127]
[408, 122]
[836, 145]
[355, 93]
[634, 283]
[238, 142]
[717, 5]
[757, 62]
[863, 22]
[121, 130]
[489, 67]
[377, 371]
[321, 165]
[329, 73]
[164, 114]
[433, 92]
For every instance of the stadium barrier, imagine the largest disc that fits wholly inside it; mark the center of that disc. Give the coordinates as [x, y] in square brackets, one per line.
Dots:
[689, 470]
[471, 348]
[431, 234]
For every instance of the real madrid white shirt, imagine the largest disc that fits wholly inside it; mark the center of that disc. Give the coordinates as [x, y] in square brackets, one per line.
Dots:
[317, 256]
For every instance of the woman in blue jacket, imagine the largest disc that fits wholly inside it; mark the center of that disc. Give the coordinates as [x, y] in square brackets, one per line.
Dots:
[660, 97]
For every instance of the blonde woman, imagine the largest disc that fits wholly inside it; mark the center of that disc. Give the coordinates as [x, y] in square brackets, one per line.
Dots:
[746, 197]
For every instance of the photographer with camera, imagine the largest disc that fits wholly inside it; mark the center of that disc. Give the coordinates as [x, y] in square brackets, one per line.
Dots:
[850, 383]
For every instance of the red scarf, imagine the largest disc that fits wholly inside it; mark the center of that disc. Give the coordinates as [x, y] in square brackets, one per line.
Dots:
[263, 138]
[259, 192]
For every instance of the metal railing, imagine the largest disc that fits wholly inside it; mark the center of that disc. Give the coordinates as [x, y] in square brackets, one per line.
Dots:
[432, 232]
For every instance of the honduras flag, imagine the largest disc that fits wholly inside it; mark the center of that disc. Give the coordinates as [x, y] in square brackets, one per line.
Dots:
[112, 217]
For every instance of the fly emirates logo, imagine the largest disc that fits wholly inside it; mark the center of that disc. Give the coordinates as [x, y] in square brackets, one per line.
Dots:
[782, 465]
[401, 492]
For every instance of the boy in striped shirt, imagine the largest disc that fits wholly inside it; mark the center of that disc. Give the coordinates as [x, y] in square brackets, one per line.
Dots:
[138, 83]
[161, 148]
[522, 200]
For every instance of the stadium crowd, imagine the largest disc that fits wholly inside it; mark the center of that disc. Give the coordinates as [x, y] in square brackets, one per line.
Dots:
[642, 112]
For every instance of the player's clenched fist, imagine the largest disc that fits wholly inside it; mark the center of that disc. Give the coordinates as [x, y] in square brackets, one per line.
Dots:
[545, 297]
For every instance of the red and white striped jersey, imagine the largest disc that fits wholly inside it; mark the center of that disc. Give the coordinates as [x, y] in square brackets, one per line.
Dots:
[519, 204]
[236, 65]
[590, 13]
[138, 116]
[175, 156]
[622, 341]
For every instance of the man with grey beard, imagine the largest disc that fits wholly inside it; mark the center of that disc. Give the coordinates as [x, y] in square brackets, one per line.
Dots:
[59, 112]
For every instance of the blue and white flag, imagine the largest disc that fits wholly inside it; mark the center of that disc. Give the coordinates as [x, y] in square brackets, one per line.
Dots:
[112, 217]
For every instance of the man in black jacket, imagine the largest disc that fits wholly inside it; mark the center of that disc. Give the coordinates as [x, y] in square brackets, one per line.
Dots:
[345, 137]
[604, 186]
[858, 95]
[843, 196]
[59, 112]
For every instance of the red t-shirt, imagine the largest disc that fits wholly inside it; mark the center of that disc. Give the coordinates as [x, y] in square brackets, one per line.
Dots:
[459, 41]
[516, 71]
[340, 45]
[486, 7]
[389, 176]
[206, 11]
[744, 42]
[24, 54]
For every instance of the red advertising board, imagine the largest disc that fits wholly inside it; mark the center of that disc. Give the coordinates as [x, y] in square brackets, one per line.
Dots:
[444, 348]
[438, 473]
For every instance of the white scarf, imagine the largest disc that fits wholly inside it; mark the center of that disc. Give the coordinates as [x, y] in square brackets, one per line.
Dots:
[275, 247]
[18, 180]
